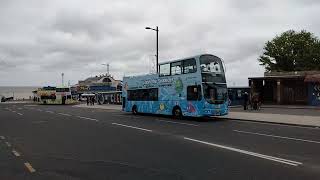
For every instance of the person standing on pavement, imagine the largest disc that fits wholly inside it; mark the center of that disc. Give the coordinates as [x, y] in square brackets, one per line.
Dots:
[87, 100]
[245, 101]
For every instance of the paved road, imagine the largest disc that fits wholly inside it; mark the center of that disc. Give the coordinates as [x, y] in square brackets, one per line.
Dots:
[64, 142]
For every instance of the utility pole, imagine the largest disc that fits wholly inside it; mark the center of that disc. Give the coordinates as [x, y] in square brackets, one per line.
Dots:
[157, 30]
[62, 80]
[108, 69]
[157, 42]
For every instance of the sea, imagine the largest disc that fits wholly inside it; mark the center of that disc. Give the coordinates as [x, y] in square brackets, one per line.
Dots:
[18, 92]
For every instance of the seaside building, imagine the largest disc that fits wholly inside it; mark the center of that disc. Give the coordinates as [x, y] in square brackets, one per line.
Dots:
[105, 87]
[291, 88]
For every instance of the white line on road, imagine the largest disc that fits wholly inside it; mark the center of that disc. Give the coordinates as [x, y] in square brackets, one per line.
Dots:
[8, 144]
[20, 114]
[15, 153]
[275, 124]
[91, 119]
[2, 137]
[20, 108]
[64, 114]
[50, 112]
[188, 124]
[275, 136]
[38, 122]
[13, 111]
[271, 158]
[132, 127]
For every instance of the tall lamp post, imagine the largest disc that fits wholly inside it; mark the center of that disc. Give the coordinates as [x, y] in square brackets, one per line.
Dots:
[157, 30]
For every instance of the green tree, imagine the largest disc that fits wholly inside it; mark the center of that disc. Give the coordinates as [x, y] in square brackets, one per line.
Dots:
[292, 51]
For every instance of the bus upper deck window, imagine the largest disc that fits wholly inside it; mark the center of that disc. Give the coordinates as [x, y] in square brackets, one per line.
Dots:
[176, 68]
[189, 66]
[165, 69]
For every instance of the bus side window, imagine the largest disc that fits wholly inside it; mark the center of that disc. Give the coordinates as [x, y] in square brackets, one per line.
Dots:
[176, 68]
[194, 93]
[189, 66]
[165, 69]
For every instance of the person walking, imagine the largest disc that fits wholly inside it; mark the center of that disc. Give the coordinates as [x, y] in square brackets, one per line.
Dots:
[245, 101]
[87, 100]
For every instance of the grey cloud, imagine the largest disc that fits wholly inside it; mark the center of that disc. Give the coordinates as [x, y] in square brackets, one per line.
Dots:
[41, 39]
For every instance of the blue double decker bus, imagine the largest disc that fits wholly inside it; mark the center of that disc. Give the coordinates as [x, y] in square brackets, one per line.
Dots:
[194, 86]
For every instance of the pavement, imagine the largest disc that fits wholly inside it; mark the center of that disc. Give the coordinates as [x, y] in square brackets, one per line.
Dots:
[288, 116]
[68, 142]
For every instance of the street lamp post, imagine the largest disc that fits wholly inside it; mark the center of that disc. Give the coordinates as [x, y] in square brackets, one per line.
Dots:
[157, 31]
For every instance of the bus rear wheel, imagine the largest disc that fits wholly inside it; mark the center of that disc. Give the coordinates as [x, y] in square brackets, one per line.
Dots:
[134, 110]
[177, 113]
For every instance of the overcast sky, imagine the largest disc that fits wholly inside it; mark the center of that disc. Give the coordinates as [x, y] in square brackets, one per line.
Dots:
[41, 39]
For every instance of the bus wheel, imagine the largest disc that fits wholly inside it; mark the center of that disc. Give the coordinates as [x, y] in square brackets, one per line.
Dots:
[134, 110]
[176, 113]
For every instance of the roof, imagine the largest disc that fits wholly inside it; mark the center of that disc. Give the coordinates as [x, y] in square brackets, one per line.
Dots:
[279, 77]
[312, 78]
[190, 57]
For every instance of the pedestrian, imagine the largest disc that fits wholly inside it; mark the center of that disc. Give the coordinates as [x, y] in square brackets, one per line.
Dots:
[87, 100]
[93, 99]
[245, 101]
[255, 101]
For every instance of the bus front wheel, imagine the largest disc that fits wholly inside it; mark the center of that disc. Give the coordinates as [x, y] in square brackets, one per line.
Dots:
[134, 110]
[177, 113]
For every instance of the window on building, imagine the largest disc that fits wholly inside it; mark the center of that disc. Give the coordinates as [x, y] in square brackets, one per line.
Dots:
[143, 94]
[165, 69]
[189, 66]
[194, 93]
[176, 68]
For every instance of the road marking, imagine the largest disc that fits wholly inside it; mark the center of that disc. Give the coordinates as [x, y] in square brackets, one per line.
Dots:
[132, 127]
[15, 153]
[29, 167]
[50, 112]
[91, 119]
[13, 111]
[275, 124]
[20, 114]
[64, 114]
[271, 158]
[188, 124]
[275, 136]
[20, 108]
[2, 137]
[37, 122]
[8, 144]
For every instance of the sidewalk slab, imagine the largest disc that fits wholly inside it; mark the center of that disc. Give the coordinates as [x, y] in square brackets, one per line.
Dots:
[283, 107]
[298, 120]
